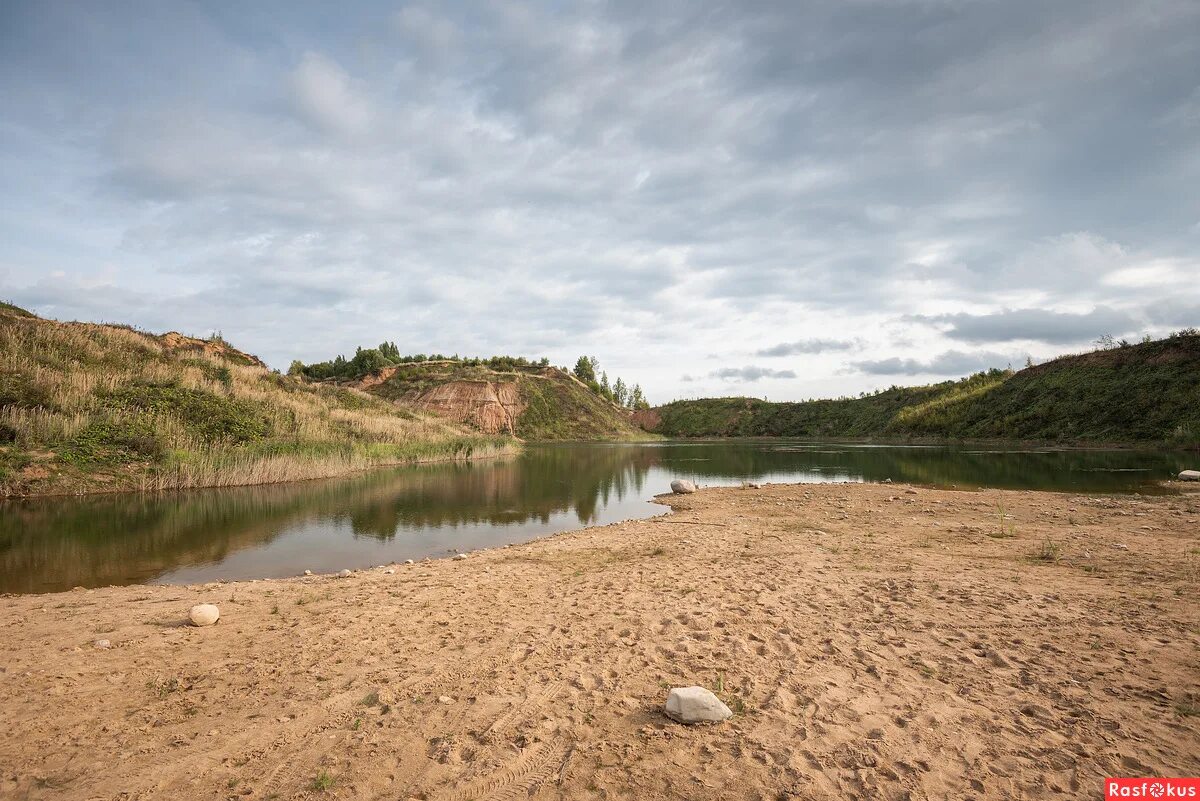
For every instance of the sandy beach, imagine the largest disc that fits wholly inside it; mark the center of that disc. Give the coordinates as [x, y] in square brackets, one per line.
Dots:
[874, 642]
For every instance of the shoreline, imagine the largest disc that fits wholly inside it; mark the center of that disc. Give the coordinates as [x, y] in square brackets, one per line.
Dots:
[872, 639]
[935, 442]
[516, 447]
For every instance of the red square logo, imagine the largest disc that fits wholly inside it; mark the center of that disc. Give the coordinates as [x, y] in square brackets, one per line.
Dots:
[1152, 788]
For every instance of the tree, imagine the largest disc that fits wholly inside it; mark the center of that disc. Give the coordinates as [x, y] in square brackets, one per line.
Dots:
[620, 392]
[297, 367]
[605, 389]
[585, 369]
[636, 399]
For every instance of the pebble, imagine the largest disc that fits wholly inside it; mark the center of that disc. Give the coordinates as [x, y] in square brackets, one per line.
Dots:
[308, 572]
[389, 570]
[204, 614]
[460, 556]
[445, 699]
[343, 573]
[103, 644]
[408, 561]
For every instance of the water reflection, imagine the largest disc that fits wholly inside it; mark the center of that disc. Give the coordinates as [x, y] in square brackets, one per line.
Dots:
[54, 544]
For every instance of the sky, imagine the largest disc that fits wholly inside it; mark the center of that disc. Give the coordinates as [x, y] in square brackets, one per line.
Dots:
[773, 199]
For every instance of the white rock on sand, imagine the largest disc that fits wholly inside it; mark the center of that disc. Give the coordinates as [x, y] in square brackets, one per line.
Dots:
[204, 614]
[682, 487]
[460, 556]
[1190, 475]
[695, 705]
[344, 573]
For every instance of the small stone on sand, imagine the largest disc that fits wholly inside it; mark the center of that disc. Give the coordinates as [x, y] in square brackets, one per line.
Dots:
[682, 487]
[460, 556]
[103, 644]
[204, 614]
[696, 705]
[343, 573]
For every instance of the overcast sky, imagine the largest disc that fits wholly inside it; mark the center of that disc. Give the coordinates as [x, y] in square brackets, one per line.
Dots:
[786, 199]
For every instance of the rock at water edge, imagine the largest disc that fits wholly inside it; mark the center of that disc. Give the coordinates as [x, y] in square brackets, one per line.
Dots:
[204, 614]
[682, 487]
[1190, 475]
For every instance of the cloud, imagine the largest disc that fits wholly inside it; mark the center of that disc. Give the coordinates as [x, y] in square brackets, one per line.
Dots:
[647, 182]
[1040, 325]
[325, 97]
[807, 346]
[949, 363]
[750, 373]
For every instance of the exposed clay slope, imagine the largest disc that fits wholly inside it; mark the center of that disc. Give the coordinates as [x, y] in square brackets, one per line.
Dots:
[535, 403]
[493, 408]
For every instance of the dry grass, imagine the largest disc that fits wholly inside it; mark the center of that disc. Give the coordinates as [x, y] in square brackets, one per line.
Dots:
[85, 407]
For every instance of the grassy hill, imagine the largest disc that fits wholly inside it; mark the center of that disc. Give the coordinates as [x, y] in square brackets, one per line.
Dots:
[86, 408]
[530, 401]
[1142, 393]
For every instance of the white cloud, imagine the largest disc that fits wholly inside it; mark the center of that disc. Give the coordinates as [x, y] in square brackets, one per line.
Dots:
[631, 181]
[326, 97]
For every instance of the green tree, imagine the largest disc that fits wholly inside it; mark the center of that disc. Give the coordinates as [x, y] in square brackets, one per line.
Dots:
[620, 392]
[585, 369]
[636, 399]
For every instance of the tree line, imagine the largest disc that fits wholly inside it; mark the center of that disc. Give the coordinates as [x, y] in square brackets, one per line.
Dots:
[387, 354]
[620, 393]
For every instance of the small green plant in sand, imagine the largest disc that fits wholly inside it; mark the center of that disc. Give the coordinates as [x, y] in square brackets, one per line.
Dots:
[323, 782]
[1187, 709]
[163, 687]
[734, 701]
[1049, 552]
[370, 699]
[1004, 529]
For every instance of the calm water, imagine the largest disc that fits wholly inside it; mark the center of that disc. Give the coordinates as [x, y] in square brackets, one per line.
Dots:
[391, 515]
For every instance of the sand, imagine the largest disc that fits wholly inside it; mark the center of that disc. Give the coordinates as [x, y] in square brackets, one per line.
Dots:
[875, 642]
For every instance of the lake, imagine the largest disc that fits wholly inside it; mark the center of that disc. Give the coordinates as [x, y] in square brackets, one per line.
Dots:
[388, 515]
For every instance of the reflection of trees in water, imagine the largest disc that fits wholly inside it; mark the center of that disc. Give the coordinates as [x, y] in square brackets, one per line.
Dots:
[58, 543]
[540, 484]
[1091, 471]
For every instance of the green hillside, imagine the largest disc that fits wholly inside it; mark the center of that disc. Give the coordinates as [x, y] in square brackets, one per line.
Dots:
[541, 402]
[1135, 393]
[500, 395]
[88, 408]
